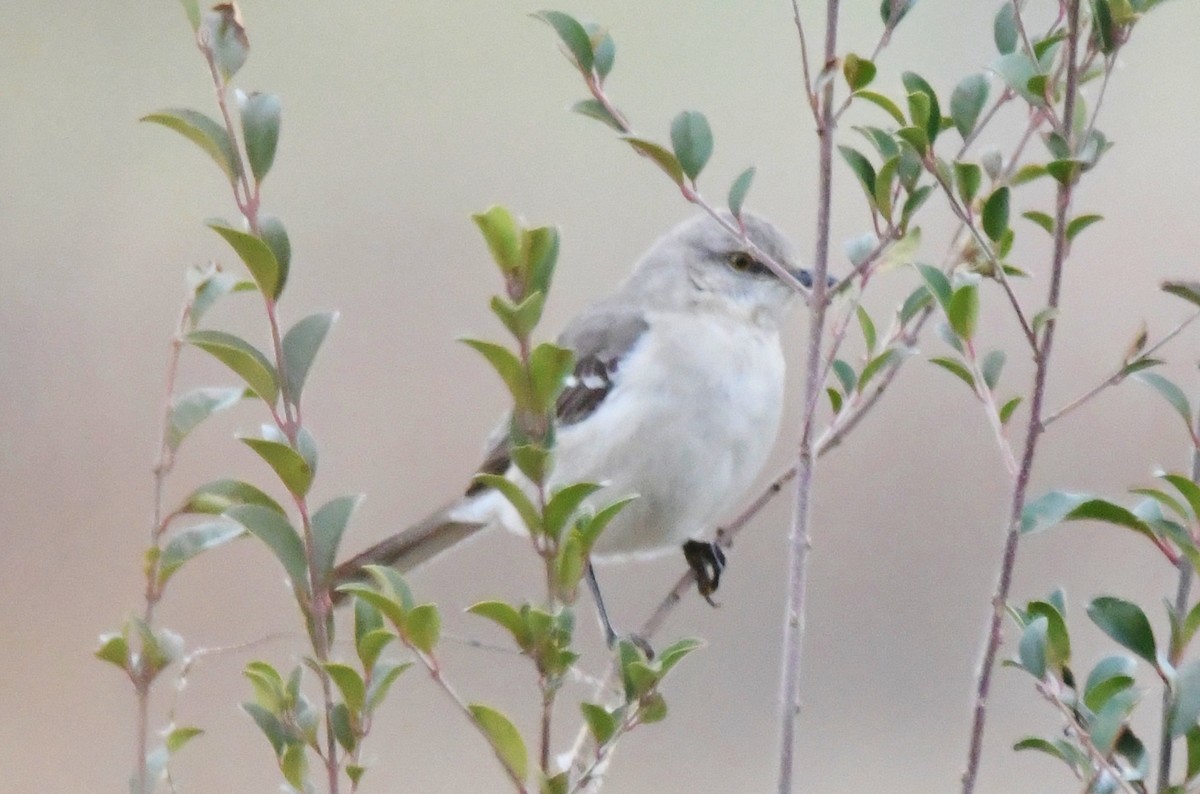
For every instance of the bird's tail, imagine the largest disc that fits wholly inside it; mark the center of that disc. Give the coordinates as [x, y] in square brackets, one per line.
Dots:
[408, 548]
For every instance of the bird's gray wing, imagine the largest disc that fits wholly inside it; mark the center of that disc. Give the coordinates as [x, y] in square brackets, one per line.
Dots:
[600, 338]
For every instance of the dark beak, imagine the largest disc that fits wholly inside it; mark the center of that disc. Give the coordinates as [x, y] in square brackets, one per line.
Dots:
[805, 277]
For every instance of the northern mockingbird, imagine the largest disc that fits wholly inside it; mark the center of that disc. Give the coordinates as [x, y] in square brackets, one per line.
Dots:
[676, 398]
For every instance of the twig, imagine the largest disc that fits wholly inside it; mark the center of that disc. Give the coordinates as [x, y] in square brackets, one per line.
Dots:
[1009, 559]
[1098, 758]
[808, 83]
[799, 542]
[1182, 589]
[1118, 375]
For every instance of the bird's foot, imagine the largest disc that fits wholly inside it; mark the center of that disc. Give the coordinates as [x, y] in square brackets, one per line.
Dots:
[706, 560]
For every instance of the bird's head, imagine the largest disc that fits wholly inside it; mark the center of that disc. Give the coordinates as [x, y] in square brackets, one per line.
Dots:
[700, 264]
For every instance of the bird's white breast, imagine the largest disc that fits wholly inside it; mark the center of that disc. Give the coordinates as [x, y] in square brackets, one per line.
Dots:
[687, 428]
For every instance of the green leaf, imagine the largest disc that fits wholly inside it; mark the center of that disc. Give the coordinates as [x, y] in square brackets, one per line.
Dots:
[300, 346]
[1126, 623]
[967, 101]
[593, 109]
[591, 529]
[1185, 706]
[294, 765]
[862, 169]
[739, 189]
[1057, 646]
[515, 496]
[1079, 224]
[218, 496]
[1041, 219]
[382, 678]
[241, 357]
[203, 131]
[1188, 290]
[968, 177]
[212, 288]
[502, 235]
[937, 284]
[192, 9]
[424, 627]
[1169, 392]
[916, 137]
[835, 400]
[884, 181]
[1017, 69]
[1193, 754]
[549, 366]
[1040, 744]
[1109, 723]
[653, 709]
[915, 84]
[258, 257]
[1004, 29]
[180, 736]
[845, 374]
[1110, 675]
[274, 530]
[114, 649]
[1103, 30]
[260, 131]
[328, 525]
[293, 470]
[563, 505]
[898, 8]
[349, 683]
[963, 311]
[867, 326]
[508, 367]
[859, 72]
[573, 36]
[505, 616]
[222, 34]
[913, 203]
[343, 731]
[600, 722]
[875, 365]
[1065, 171]
[956, 368]
[692, 140]
[674, 653]
[190, 409]
[1006, 410]
[1187, 489]
[192, 541]
[995, 213]
[669, 164]
[1033, 647]
[604, 49]
[881, 101]
[505, 739]
[539, 252]
[993, 365]
[269, 724]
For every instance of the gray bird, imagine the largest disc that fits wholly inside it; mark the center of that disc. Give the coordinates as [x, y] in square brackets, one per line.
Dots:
[676, 398]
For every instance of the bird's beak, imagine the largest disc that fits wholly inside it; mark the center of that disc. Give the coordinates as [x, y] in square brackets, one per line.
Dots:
[805, 277]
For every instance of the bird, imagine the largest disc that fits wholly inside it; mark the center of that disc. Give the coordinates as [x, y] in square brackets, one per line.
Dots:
[676, 399]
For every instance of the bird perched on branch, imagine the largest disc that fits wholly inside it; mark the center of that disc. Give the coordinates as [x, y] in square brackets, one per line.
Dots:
[676, 398]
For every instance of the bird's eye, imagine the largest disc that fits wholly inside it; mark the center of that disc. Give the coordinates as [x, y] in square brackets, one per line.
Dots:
[740, 260]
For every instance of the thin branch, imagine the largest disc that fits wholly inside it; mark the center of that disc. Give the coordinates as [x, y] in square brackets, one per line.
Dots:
[808, 83]
[1182, 589]
[799, 543]
[1009, 559]
[1100, 761]
[1118, 376]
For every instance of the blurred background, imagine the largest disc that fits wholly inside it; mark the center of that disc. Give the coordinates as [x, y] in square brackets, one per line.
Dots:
[401, 119]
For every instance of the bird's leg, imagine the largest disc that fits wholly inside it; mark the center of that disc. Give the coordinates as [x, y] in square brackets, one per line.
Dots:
[610, 634]
[706, 560]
